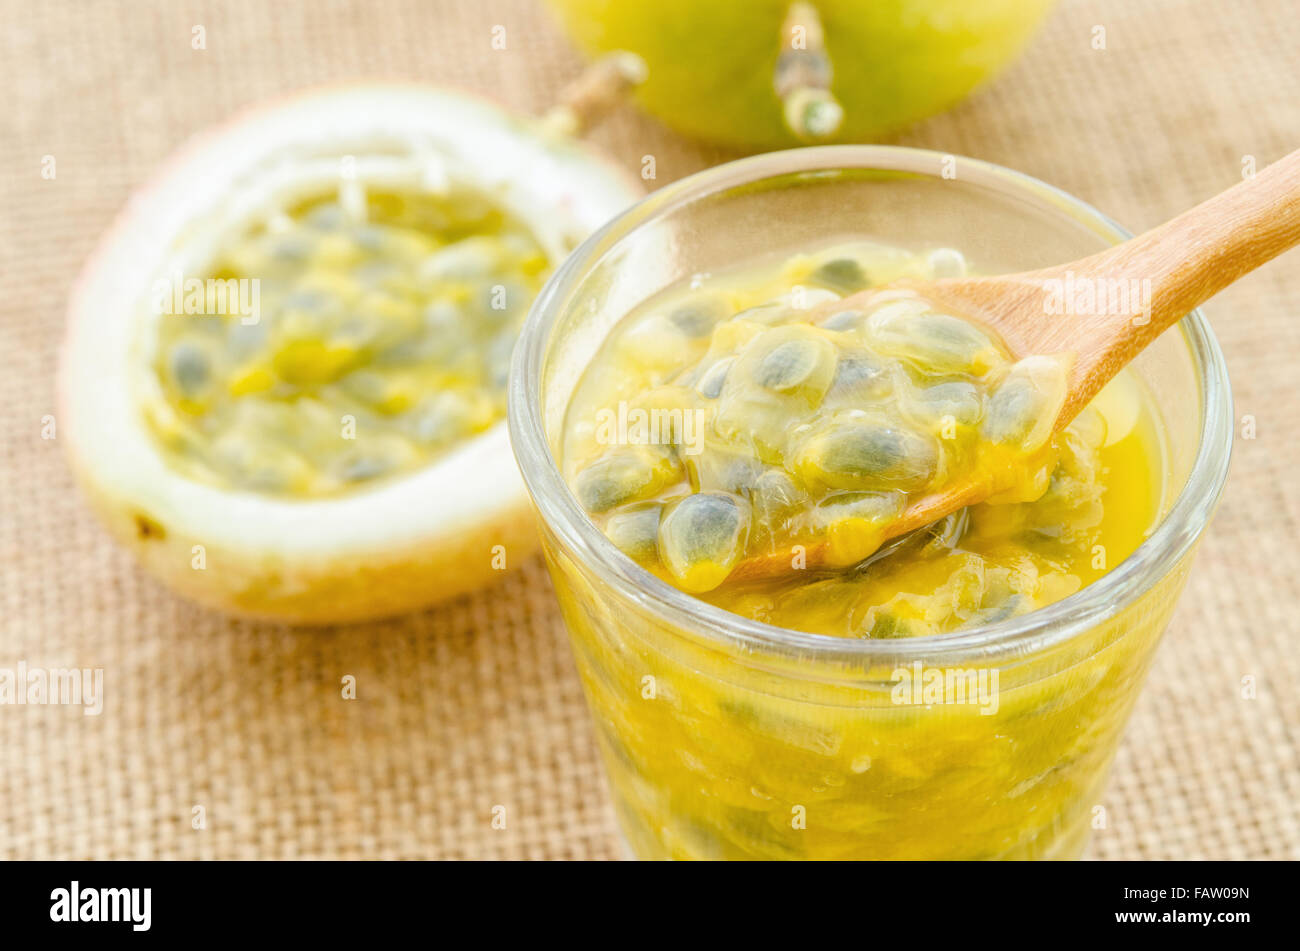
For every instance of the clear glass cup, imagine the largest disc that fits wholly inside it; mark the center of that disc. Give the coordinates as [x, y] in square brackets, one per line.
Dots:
[728, 738]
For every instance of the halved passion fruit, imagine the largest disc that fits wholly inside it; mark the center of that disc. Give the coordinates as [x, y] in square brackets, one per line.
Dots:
[283, 380]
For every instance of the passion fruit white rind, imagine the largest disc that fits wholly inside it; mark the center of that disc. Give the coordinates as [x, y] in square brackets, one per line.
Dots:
[395, 546]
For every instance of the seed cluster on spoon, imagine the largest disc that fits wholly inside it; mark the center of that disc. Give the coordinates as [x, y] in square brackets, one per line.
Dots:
[759, 411]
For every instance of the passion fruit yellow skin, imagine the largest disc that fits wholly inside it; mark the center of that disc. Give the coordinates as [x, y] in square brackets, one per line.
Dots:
[711, 65]
[383, 549]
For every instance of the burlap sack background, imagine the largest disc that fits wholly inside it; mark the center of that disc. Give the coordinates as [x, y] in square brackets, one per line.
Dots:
[477, 704]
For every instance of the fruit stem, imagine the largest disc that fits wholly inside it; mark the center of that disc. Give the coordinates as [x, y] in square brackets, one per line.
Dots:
[590, 97]
[803, 76]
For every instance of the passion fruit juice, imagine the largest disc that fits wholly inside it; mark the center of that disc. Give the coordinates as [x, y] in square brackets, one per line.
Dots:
[711, 756]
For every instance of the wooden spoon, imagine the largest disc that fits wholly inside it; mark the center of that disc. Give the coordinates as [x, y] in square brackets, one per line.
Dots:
[1162, 275]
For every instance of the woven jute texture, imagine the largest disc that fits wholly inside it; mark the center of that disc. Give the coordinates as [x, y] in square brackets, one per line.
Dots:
[476, 704]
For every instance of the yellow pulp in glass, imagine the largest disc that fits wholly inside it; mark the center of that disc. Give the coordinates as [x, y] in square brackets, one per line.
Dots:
[712, 753]
[717, 422]
[381, 338]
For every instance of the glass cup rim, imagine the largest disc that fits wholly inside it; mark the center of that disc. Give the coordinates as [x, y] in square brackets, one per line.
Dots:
[1173, 537]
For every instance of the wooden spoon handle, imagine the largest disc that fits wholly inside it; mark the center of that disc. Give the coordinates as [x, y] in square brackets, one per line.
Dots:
[1191, 258]
[1167, 271]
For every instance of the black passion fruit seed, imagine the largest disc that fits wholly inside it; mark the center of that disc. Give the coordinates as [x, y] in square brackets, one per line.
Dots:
[1025, 404]
[787, 365]
[635, 530]
[710, 384]
[697, 320]
[190, 366]
[936, 344]
[625, 474]
[792, 360]
[867, 455]
[702, 537]
[860, 376]
[841, 274]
